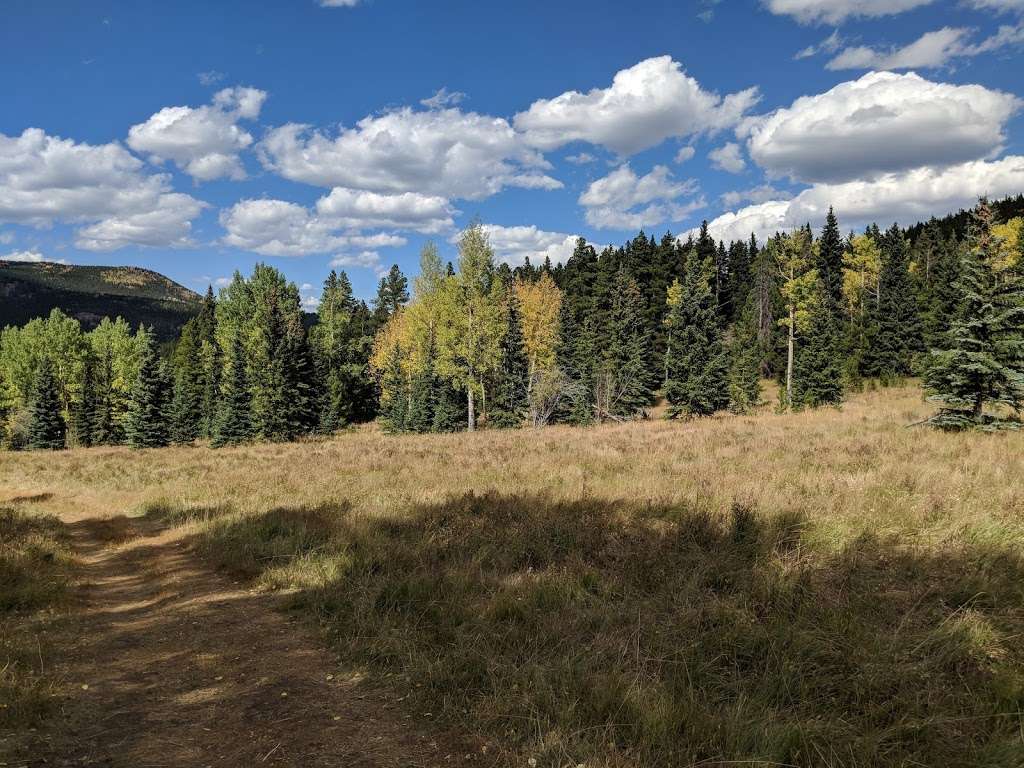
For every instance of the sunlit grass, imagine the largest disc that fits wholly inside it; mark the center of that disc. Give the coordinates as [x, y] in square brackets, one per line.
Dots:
[822, 588]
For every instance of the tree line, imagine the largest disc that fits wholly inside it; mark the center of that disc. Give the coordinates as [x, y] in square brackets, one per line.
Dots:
[480, 344]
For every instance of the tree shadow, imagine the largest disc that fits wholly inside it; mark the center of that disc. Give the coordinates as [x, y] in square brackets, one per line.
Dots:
[595, 630]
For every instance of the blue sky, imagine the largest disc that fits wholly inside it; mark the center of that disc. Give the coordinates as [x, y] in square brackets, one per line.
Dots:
[197, 138]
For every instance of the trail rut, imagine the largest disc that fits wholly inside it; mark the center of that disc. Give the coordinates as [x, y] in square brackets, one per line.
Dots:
[167, 663]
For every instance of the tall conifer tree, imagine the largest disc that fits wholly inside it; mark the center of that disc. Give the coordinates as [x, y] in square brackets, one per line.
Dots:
[232, 424]
[511, 399]
[983, 364]
[698, 368]
[46, 428]
[896, 334]
[148, 424]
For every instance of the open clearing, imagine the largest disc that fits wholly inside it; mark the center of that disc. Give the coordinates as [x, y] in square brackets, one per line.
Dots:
[826, 588]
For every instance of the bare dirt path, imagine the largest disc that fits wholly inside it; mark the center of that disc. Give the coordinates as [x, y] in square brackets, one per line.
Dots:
[169, 664]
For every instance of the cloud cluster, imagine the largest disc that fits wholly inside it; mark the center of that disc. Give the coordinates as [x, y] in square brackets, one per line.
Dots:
[513, 245]
[645, 104]
[354, 209]
[443, 152]
[838, 11]
[932, 49]
[904, 197]
[46, 179]
[204, 142]
[282, 228]
[728, 157]
[623, 200]
[881, 123]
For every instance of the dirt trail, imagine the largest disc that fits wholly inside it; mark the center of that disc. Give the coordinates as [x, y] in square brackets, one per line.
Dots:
[169, 664]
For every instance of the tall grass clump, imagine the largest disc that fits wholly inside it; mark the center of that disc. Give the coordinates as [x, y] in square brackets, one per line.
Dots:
[35, 573]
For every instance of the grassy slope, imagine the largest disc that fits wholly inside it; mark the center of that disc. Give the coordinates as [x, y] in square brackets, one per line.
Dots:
[824, 588]
[90, 293]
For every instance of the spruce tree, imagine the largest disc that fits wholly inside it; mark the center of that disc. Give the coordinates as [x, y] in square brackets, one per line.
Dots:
[697, 365]
[829, 263]
[576, 367]
[937, 261]
[394, 410]
[423, 394]
[187, 399]
[392, 295]
[233, 424]
[744, 362]
[84, 413]
[895, 327]
[983, 363]
[148, 423]
[105, 429]
[511, 400]
[623, 384]
[46, 428]
[817, 369]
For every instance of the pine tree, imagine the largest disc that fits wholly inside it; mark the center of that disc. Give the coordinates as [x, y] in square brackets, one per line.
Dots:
[895, 335]
[511, 399]
[394, 410]
[232, 424]
[698, 368]
[983, 364]
[105, 430]
[148, 424]
[937, 262]
[84, 413]
[392, 294]
[622, 381]
[829, 263]
[578, 408]
[817, 369]
[46, 429]
[744, 362]
[423, 394]
[187, 400]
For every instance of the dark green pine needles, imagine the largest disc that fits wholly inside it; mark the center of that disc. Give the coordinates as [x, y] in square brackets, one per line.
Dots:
[46, 429]
[697, 365]
[148, 423]
[979, 376]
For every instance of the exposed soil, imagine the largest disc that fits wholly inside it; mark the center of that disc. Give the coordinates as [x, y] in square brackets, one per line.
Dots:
[166, 663]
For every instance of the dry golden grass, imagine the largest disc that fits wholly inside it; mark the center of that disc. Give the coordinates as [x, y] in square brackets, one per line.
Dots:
[847, 470]
[823, 588]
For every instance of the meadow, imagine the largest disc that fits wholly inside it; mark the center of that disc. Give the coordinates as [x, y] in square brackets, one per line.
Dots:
[826, 588]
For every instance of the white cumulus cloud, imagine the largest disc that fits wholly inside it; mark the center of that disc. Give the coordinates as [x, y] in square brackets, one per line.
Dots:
[46, 179]
[728, 157]
[881, 123]
[904, 197]
[623, 200]
[282, 228]
[205, 142]
[645, 104]
[355, 209]
[443, 152]
[513, 245]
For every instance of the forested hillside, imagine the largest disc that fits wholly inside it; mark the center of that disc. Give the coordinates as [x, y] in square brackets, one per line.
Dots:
[89, 294]
[599, 338]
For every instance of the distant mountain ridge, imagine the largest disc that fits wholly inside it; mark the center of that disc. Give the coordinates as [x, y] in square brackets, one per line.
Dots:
[88, 293]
